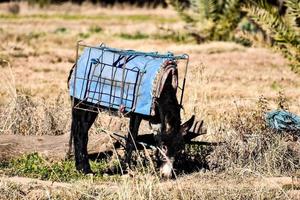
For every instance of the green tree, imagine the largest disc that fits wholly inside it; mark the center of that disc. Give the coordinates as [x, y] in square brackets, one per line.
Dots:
[218, 20]
[210, 19]
[283, 30]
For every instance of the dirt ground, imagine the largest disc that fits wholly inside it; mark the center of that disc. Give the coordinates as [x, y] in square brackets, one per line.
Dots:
[34, 188]
[53, 147]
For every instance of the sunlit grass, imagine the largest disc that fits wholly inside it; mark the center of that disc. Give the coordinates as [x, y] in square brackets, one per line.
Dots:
[36, 166]
[101, 17]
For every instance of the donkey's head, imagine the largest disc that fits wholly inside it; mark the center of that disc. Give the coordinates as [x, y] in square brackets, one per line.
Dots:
[172, 142]
[171, 132]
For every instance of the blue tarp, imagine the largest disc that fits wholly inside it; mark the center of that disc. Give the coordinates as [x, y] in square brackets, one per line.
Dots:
[90, 88]
[282, 120]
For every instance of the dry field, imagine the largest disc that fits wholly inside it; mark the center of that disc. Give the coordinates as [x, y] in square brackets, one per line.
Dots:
[228, 85]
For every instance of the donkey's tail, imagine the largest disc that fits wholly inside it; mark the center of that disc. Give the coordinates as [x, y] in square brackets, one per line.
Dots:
[70, 75]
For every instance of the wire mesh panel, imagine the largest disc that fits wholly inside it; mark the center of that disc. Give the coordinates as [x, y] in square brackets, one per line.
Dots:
[116, 79]
[110, 91]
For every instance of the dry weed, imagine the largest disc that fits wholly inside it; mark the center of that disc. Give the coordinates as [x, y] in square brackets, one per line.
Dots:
[140, 187]
[26, 115]
[250, 145]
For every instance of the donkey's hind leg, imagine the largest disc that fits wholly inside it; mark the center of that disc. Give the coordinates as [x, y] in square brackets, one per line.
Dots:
[81, 122]
[134, 124]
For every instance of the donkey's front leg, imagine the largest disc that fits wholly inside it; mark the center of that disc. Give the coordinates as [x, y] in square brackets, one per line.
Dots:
[81, 123]
[134, 124]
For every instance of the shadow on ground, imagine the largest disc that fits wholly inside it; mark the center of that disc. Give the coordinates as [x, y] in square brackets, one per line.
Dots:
[192, 159]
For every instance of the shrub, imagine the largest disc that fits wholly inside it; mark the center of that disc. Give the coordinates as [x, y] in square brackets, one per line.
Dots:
[25, 115]
[250, 145]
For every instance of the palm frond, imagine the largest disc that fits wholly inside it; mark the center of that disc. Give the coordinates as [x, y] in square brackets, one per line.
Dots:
[285, 35]
[218, 20]
[181, 10]
[293, 7]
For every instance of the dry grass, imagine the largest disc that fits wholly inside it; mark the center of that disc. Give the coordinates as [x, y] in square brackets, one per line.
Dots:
[251, 147]
[225, 82]
[144, 187]
[23, 114]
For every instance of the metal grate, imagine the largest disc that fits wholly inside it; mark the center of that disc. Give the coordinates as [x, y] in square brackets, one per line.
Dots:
[109, 83]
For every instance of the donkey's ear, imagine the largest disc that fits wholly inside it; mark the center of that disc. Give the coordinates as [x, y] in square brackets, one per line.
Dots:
[185, 127]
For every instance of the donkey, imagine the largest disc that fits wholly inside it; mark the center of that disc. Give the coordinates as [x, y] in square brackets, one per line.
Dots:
[165, 124]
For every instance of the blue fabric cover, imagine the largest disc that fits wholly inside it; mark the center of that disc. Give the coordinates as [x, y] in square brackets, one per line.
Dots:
[282, 120]
[87, 83]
